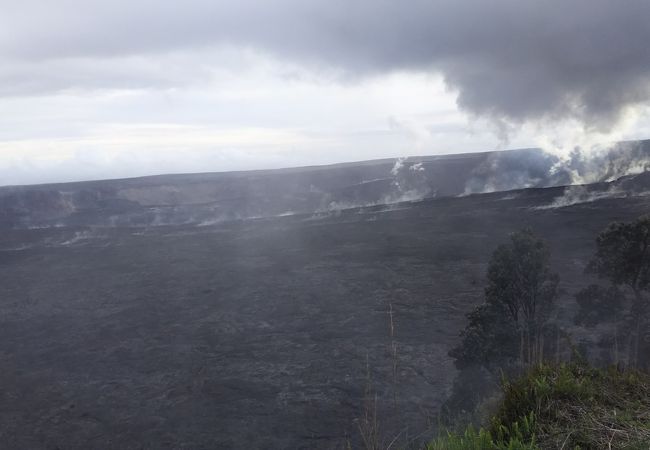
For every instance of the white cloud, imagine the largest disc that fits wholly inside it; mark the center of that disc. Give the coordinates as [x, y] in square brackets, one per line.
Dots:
[101, 89]
[267, 114]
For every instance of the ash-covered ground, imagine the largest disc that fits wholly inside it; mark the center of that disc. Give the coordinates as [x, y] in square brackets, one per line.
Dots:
[262, 333]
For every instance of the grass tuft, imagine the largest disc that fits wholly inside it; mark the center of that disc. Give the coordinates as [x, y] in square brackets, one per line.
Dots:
[568, 406]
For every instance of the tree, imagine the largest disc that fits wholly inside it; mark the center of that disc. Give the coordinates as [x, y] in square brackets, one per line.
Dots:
[623, 255]
[489, 340]
[519, 297]
[623, 259]
[506, 331]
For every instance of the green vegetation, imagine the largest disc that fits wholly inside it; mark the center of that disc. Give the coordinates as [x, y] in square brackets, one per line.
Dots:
[561, 406]
[520, 294]
[570, 406]
[622, 260]
[484, 440]
[511, 329]
[623, 254]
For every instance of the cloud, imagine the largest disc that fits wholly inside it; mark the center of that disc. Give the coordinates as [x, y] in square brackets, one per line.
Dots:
[352, 80]
[512, 61]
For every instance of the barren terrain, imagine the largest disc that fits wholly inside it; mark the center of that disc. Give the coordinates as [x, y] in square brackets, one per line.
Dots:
[261, 333]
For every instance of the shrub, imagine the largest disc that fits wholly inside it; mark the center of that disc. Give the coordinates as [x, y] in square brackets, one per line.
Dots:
[571, 406]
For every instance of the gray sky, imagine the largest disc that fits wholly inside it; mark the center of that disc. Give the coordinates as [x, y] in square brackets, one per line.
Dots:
[102, 89]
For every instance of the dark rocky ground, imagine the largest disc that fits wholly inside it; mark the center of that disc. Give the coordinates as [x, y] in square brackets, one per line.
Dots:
[257, 333]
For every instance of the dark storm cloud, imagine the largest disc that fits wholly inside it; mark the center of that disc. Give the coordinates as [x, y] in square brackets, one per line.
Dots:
[510, 60]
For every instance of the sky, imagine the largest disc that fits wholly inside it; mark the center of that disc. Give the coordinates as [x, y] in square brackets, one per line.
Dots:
[95, 89]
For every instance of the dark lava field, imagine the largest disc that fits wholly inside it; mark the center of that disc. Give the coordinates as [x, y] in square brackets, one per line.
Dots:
[262, 332]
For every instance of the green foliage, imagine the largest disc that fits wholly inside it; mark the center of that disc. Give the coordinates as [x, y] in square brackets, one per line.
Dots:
[623, 259]
[520, 281]
[576, 406]
[489, 340]
[623, 254]
[519, 297]
[484, 440]
[569, 406]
